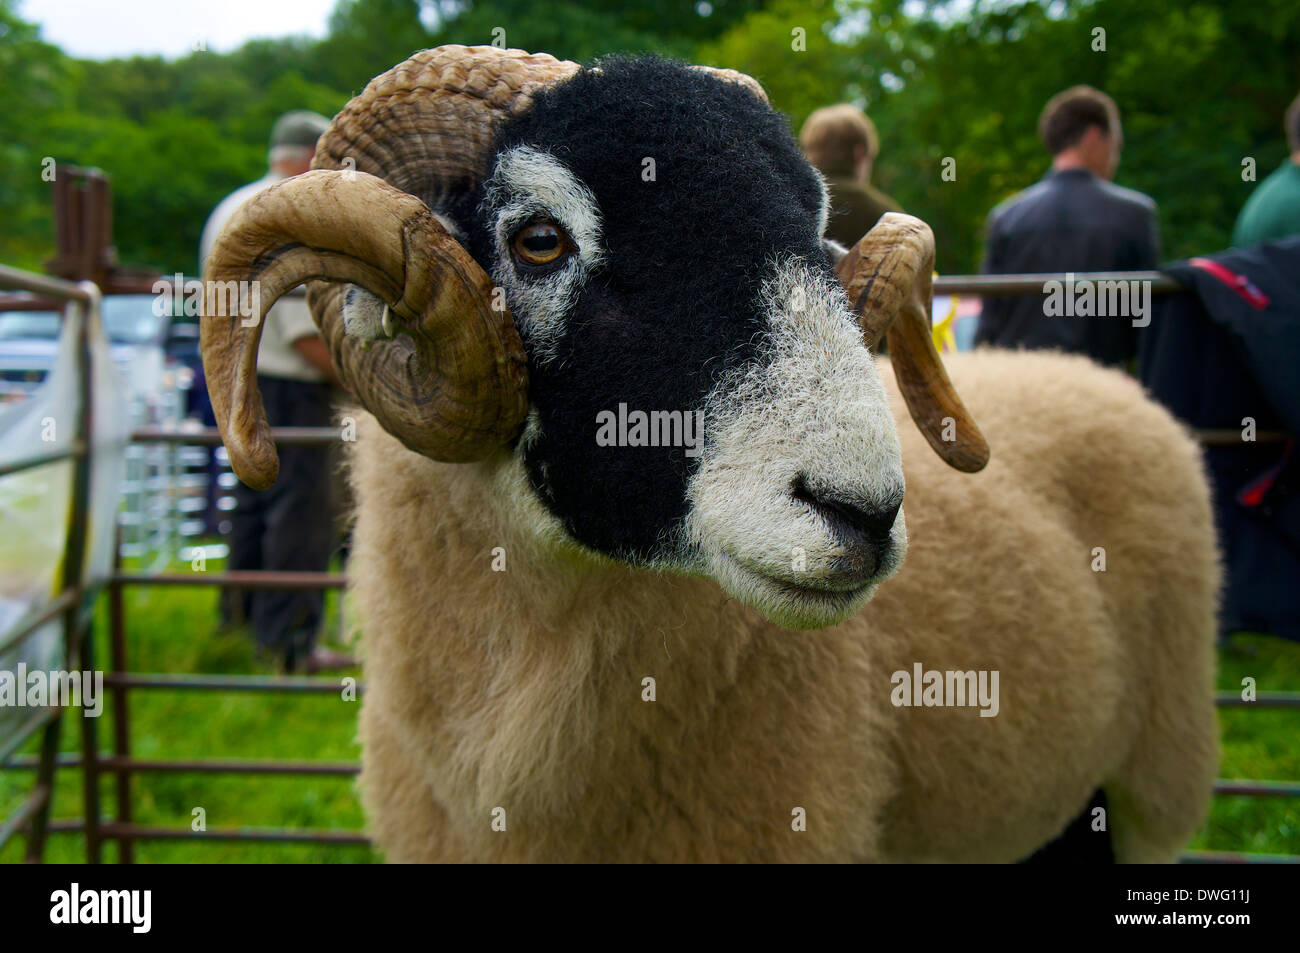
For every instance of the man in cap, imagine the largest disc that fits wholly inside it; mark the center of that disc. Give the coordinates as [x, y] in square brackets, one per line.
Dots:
[842, 143]
[288, 527]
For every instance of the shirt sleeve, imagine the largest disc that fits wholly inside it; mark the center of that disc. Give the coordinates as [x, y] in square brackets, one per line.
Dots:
[294, 319]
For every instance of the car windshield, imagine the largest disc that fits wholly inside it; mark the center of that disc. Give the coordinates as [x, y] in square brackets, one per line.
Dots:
[28, 325]
[128, 319]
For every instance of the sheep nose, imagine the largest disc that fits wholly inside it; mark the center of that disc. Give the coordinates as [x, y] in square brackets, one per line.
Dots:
[861, 525]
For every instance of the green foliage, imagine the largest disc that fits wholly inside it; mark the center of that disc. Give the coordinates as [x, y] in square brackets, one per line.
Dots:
[36, 84]
[1202, 85]
[363, 33]
[585, 31]
[1257, 744]
[175, 136]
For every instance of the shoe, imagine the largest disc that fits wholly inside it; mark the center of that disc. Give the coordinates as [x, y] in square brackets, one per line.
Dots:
[321, 659]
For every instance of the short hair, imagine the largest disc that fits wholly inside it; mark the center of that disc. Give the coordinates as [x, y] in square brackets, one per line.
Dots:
[1293, 125]
[294, 154]
[300, 127]
[831, 134]
[1069, 114]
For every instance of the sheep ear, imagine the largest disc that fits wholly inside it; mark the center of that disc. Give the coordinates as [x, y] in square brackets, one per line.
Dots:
[365, 315]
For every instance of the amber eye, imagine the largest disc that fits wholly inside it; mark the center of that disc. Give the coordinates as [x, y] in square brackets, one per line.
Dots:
[540, 243]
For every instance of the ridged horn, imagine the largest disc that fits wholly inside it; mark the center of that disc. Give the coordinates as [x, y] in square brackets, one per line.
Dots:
[887, 276]
[456, 388]
[739, 78]
[427, 127]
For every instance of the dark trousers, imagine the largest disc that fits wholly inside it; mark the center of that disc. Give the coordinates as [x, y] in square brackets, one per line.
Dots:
[289, 527]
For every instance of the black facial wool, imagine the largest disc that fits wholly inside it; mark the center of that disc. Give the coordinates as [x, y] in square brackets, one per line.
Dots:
[700, 189]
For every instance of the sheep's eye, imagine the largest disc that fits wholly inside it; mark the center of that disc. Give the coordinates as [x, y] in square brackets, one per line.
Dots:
[540, 243]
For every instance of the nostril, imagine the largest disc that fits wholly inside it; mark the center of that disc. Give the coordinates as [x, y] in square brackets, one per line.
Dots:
[872, 523]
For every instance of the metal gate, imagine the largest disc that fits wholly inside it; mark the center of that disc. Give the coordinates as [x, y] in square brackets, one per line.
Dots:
[76, 594]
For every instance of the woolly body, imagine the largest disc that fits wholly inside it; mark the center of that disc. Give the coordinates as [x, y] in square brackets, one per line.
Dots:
[522, 689]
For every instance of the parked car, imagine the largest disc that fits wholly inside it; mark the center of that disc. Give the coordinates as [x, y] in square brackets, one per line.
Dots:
[171, 493]
[146, 346]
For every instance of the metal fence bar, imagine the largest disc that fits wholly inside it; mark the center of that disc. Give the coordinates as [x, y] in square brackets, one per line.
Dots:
[245, 579]
[39, 797]
[1027, 284]
[1230, 857]
[38, 720]
[31, 626]
[90, 761]
[1262, 700]
[301, 684]
[78, 645]
[42, 459]
[122, 766]
[211, 436]
[113, 831]
[1258, 788]
[18, 280]
[121, 708]
[1238, 788]
[45, 777]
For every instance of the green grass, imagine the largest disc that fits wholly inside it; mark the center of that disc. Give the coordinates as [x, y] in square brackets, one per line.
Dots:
[173, 630]
[1259, 744]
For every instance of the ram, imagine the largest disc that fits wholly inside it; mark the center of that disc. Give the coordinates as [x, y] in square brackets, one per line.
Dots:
[583, 649]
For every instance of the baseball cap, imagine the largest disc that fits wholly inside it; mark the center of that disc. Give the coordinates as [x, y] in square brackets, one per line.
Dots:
[298, 128]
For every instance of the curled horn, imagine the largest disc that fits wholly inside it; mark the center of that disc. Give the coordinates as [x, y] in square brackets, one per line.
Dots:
[453, 385]
[455, 392]
[739, 78]
[887, 276]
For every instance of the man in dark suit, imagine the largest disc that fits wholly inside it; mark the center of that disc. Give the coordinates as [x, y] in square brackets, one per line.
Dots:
[1074, 220]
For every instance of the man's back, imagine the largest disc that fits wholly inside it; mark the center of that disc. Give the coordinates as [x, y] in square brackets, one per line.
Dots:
[1071, 221]
[855, 209]
[1272, 211]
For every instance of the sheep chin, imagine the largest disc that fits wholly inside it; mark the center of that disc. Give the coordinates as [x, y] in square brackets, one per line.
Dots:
[787, 605]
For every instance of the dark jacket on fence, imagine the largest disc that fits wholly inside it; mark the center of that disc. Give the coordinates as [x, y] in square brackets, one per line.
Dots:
[1226, 350]
[1071, 221]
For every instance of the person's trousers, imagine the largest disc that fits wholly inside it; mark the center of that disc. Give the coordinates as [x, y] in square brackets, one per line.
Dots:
[288, 527]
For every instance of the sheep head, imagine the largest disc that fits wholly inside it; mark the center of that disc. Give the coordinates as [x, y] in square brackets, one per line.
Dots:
[615, 280]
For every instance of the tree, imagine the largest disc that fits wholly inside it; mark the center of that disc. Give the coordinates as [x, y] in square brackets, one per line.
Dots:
[953, 86]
